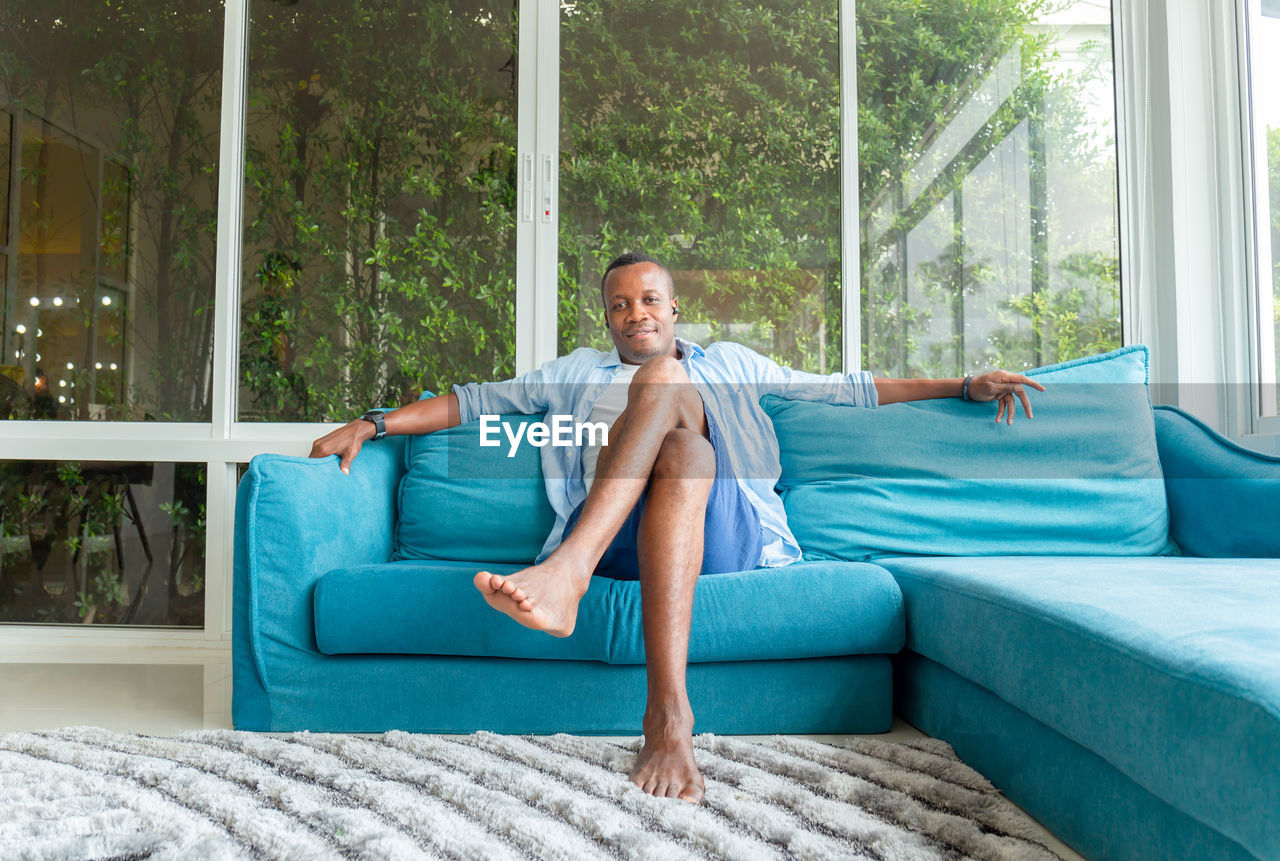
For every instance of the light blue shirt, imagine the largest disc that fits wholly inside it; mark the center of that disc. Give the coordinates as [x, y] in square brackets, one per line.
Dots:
[731, 379]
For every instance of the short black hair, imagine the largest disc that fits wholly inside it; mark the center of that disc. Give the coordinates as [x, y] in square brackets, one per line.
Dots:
[631, 258]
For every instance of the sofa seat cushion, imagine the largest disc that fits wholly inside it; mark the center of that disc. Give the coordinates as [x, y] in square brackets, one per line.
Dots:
[1168, 668]
[805, 610]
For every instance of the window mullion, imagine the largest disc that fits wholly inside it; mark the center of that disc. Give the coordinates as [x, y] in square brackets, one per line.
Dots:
[230, 217]
[850, 201]
[547, 172]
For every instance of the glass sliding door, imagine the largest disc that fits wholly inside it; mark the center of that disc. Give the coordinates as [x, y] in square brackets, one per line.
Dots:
[109, 145]
[110, 128]
[707, 134]
[379, 239]
[988, 184]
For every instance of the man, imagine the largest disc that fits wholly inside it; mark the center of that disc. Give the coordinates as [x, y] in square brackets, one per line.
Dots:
[683, 487]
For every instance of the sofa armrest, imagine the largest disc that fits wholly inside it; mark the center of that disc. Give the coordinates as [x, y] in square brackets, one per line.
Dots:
[296, 519]
[1223, 498]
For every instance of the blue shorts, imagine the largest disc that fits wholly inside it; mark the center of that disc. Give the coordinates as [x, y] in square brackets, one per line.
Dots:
[731, 536]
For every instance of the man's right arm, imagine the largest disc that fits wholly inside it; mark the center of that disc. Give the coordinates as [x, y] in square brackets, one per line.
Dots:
[425, 416]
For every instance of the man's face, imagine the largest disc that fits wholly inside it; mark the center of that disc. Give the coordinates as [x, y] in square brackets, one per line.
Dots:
[640, 312]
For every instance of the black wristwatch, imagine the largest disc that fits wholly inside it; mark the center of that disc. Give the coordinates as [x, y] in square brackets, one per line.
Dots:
[379, 423]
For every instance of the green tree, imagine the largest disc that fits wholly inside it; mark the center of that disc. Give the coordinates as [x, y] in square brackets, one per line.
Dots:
[381, 178]
[707, 134]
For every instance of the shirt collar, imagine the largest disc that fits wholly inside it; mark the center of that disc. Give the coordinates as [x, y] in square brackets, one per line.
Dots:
[611, 359]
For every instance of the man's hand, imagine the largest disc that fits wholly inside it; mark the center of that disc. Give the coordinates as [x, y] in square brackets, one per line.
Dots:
[1004, 387]
[345, 441]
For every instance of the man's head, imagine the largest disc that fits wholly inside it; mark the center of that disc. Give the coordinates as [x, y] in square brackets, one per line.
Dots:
[639, 307]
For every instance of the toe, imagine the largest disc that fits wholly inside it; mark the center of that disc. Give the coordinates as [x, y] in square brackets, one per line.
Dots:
[692, 794]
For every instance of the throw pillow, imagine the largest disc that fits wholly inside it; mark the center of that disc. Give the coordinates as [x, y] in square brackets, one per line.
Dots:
[941, 477]
[463, 501]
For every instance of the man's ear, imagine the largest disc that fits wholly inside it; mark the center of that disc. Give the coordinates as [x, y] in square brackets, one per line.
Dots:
[675, 311]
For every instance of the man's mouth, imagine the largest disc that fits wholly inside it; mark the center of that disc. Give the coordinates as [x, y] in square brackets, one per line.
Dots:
[640, 333]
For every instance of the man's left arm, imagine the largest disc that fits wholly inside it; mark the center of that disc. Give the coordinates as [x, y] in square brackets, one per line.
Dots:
[1001, 386]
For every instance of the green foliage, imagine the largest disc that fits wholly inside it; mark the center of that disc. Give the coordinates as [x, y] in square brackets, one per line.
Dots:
[380, 205]
[708, 135]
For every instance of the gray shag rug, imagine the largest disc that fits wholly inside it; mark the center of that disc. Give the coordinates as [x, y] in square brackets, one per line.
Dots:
[83, 792]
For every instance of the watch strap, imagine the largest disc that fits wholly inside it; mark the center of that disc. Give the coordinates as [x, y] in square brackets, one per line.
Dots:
[379, 423]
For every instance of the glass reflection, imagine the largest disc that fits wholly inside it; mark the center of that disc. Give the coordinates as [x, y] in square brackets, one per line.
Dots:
[112, 115]
[102, 543]
[988, 184]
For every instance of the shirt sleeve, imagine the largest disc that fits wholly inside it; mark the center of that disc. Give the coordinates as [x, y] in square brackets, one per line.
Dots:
[856, 389]
[526, 394]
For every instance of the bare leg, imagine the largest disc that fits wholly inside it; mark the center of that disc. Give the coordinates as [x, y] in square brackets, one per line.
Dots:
[545, 597]
[660, 442]
[670, 556]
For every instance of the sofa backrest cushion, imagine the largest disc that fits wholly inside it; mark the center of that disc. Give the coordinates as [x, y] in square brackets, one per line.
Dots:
[463, 501]
[940, 477]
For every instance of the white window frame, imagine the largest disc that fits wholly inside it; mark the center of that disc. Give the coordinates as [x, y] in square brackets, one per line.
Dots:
[1184, 206]
[1262, 345]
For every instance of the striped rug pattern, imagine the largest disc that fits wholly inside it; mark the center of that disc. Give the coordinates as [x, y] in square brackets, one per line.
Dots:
[83, 793]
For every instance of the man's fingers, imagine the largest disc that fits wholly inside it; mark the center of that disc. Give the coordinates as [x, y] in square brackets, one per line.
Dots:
[999, 410]
[1020, 379]
[1026, 403]
[1009, 410]
[349, 455]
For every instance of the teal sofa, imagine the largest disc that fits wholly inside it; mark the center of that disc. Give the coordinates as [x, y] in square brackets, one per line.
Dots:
[1086, 606]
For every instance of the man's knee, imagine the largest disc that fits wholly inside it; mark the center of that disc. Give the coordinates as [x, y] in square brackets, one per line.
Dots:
[685, 453]
[660, 369]
[663, 380]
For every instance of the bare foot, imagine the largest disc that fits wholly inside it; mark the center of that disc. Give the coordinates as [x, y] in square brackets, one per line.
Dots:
[666, 767]
[543, 597]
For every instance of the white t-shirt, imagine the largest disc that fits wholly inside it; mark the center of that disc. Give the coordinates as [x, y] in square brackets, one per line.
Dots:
[607, 409]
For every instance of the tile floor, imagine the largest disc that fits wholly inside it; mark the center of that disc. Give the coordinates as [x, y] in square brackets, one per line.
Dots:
[168, 698]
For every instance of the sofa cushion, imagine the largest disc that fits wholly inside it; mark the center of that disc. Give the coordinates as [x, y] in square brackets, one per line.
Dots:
[1164, 667]
[805, 610]
[460, 500]
[941, 477]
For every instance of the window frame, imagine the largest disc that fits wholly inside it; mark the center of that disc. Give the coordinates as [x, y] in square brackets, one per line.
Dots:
[1262, 345]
